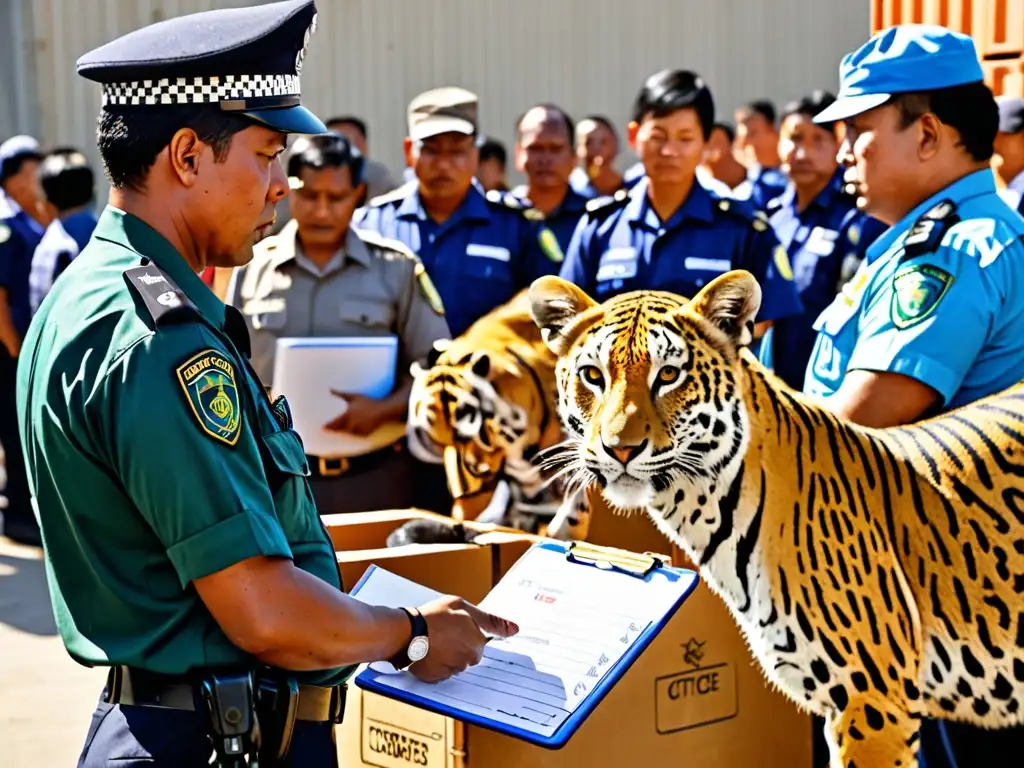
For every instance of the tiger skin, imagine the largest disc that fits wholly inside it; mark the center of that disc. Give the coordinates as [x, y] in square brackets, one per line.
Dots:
[490, 394]
[876, 574]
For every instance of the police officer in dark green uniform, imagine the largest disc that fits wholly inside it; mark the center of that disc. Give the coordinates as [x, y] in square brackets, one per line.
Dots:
[183, 548]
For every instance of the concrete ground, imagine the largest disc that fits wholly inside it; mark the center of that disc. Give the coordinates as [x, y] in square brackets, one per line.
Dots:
[46, 699]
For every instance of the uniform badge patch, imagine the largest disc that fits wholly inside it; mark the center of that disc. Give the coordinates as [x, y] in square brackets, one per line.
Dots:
[781, 259]
[429, 291]
[208, 380]
[549, 244]
[534, 214]
[917, 291]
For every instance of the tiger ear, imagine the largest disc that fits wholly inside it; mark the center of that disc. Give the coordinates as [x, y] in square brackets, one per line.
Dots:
[436, 350]
[554, 304]
[730, 302]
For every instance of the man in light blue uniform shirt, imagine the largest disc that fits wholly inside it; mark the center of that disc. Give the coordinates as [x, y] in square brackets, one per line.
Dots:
[669, 232]
[68, 182]
[934, 319]
[479, 249]
[820, 227]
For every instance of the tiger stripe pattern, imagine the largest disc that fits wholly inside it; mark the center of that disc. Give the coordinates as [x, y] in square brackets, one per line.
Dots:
[489, 396]
[877, 574]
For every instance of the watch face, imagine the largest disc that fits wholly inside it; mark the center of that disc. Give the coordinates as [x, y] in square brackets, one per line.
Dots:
[418, 648]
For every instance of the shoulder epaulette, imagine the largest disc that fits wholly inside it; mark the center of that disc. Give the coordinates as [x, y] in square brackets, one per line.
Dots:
[928, 231]
[507, 199]
[162, 297]
[741, 209]
[602, 206]
[400, 193]
[376, 240]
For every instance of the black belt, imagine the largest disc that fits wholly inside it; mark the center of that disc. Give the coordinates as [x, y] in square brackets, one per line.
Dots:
[320, 466]
[137, 687]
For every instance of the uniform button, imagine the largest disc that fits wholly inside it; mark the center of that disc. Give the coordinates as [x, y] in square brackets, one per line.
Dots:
[661, 232]
[431, 238]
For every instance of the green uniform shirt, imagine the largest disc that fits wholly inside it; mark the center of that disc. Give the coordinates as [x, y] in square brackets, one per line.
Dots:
[154, 456]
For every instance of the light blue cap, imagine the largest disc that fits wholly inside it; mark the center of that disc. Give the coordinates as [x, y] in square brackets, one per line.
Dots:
[902, 59]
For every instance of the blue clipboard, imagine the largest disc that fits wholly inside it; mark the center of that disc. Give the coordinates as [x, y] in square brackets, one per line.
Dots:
[630, 566]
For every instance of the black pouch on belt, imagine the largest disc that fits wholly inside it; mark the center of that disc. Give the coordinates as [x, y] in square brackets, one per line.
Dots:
[277, 704]
[228, 699]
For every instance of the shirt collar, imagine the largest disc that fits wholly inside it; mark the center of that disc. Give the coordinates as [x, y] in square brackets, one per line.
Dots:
[697, 205]
[1017, 183]
[972, 185]
[124, 229]
[823, 200]
[473, 206]
[288, 247]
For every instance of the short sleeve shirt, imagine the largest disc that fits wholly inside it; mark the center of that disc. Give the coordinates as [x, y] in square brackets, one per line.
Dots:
[948, 313]
[154, 457]
[479, 258]
[372, 287]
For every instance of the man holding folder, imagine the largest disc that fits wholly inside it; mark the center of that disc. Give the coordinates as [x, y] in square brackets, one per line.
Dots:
[320, 277]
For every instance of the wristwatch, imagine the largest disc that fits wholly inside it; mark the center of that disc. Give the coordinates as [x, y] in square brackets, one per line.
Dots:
[418, 645]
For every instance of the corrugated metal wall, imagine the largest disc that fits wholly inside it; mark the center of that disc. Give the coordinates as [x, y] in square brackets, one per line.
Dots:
[997, 27]
[370, 57]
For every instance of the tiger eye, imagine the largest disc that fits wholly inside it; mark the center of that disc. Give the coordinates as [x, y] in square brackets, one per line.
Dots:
[591, 375]
[668, 374]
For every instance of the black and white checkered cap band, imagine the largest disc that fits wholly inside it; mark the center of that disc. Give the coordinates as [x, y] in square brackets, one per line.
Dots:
[199, 90]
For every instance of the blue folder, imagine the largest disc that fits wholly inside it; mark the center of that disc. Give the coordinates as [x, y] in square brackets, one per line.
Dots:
[685, 579]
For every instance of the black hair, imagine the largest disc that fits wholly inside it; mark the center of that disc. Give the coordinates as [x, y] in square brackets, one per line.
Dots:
[971, 109]
[492, 149]
[671, 90]
[130, 138]
[12, 165]
[727, 129]
[762, 107]
[67, 179]
[603, 121]
[570, 127]
[328, 150]
[810, 105]
[358, 122]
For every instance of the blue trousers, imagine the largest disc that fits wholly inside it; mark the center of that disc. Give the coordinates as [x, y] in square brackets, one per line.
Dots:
[132, 737]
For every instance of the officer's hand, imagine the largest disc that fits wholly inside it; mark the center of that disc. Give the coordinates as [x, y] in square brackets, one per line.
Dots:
[364, 415]
[458, 632]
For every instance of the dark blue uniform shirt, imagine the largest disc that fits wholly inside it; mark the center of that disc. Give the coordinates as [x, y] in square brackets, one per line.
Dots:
[19, 236]
[485, 253]
[563, 220]
[621, 245]
[63, 240]
[768, 184]
[826, 242]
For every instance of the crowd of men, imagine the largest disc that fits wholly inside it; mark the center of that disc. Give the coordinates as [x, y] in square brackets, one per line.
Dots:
[765, 193]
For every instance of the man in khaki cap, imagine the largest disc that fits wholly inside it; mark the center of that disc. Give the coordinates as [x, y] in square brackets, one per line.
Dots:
[479, 248]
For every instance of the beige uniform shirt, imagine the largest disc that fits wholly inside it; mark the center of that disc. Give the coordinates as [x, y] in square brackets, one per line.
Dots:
[373, 287]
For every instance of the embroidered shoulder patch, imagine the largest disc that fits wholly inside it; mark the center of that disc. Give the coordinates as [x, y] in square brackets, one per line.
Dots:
[208, 380]
[429, 291]
[917, 291]
[549, 244]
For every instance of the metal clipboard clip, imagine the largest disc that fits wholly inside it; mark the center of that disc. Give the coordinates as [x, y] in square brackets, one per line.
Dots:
[618, 560]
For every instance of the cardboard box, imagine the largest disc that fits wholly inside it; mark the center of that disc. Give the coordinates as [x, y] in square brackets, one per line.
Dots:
[695, 696]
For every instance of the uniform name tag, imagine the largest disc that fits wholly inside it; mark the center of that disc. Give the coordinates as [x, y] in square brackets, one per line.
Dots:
[708, 265]
[617, 264]
[495, 252]
[821, 241]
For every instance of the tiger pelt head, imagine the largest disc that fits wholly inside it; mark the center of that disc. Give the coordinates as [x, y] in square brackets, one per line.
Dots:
[482, 405]
[648, 386]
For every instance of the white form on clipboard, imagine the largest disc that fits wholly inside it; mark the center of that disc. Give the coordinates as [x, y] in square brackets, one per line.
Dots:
[575, 624]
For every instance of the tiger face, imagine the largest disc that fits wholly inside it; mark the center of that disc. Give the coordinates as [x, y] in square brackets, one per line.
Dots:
[648, 389]
[465, 402]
